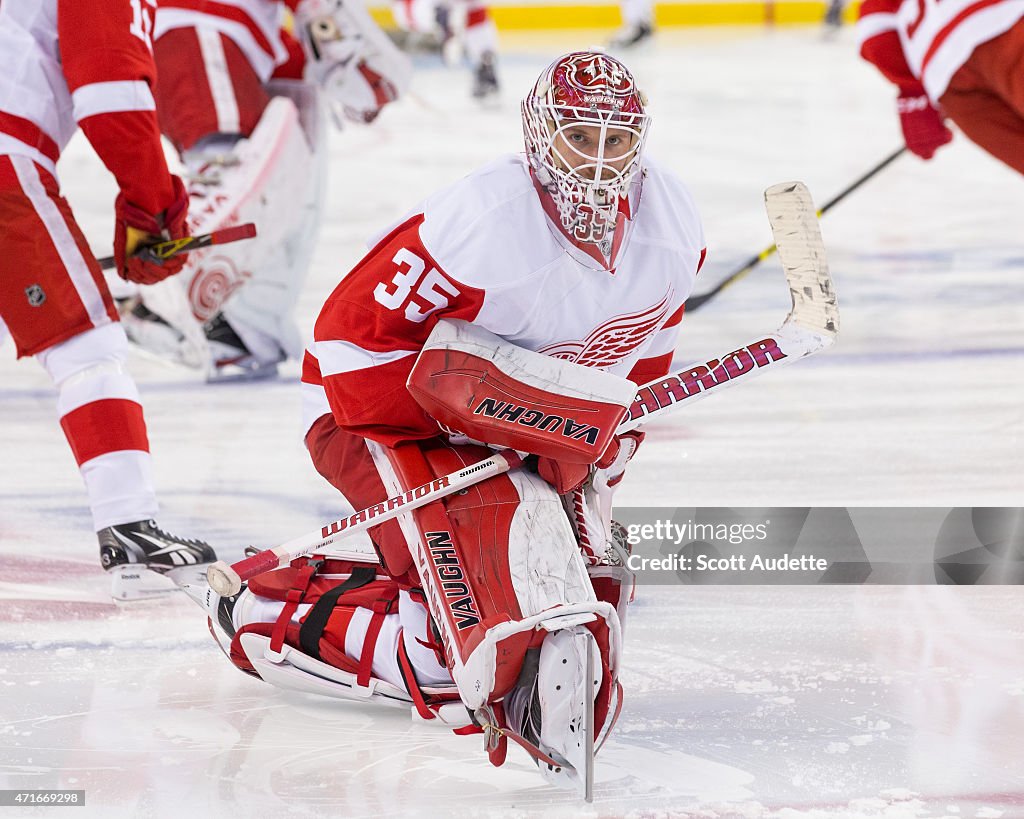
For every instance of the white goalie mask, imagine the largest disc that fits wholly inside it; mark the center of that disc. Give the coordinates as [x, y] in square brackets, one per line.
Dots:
[585, 125]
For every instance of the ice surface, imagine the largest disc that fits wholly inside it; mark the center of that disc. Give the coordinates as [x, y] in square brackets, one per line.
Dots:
[789, 702]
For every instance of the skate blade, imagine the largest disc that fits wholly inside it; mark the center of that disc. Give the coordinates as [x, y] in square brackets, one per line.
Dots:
[132, 581]
[578, 774]
[229, 373]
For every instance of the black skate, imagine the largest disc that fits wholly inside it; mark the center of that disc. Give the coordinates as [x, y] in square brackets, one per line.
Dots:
[631, 36]
[485, 78]
[133, 552]
[231, 357]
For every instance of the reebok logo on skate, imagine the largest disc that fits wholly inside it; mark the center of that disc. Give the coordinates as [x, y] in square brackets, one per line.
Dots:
[457, 596]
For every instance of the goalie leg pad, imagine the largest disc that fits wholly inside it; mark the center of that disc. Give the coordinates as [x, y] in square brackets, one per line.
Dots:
[345, 625]
[267, 179]
[270, 179]
[499, 567]
[261, 311]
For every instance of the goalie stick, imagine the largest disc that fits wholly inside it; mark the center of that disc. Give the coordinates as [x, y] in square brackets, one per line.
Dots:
[695, 302]
[810, 327]
[173, 247]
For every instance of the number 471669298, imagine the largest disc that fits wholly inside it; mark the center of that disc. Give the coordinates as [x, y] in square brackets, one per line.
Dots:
[418, 290]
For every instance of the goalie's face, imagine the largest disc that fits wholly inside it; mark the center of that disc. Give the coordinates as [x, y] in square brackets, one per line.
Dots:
[594, 152]
[585, 125]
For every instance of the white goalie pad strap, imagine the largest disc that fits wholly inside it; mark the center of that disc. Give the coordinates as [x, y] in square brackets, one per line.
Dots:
[477, 383]
[356, 64]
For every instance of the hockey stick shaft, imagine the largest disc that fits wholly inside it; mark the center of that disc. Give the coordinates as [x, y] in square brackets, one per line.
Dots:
[810, 327]
[695, 302]
[226, 580]
[689, 385]
[173, 247]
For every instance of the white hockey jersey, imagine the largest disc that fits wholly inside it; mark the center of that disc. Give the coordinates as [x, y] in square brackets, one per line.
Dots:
[484, 251]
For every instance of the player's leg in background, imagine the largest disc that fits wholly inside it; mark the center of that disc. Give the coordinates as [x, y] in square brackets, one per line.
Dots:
[56, 303]
[834, 14]
[637, 23]
[480, 41]
[463, 29]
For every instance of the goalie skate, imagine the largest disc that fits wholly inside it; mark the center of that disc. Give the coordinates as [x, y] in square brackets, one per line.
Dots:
[554, 710]
[288, 667]
[159, 321]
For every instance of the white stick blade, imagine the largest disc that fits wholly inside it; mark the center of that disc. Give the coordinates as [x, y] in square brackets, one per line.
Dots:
[794, 223]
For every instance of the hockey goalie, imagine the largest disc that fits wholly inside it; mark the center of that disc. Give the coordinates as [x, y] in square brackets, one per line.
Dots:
[518, 308]
[241, 96]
